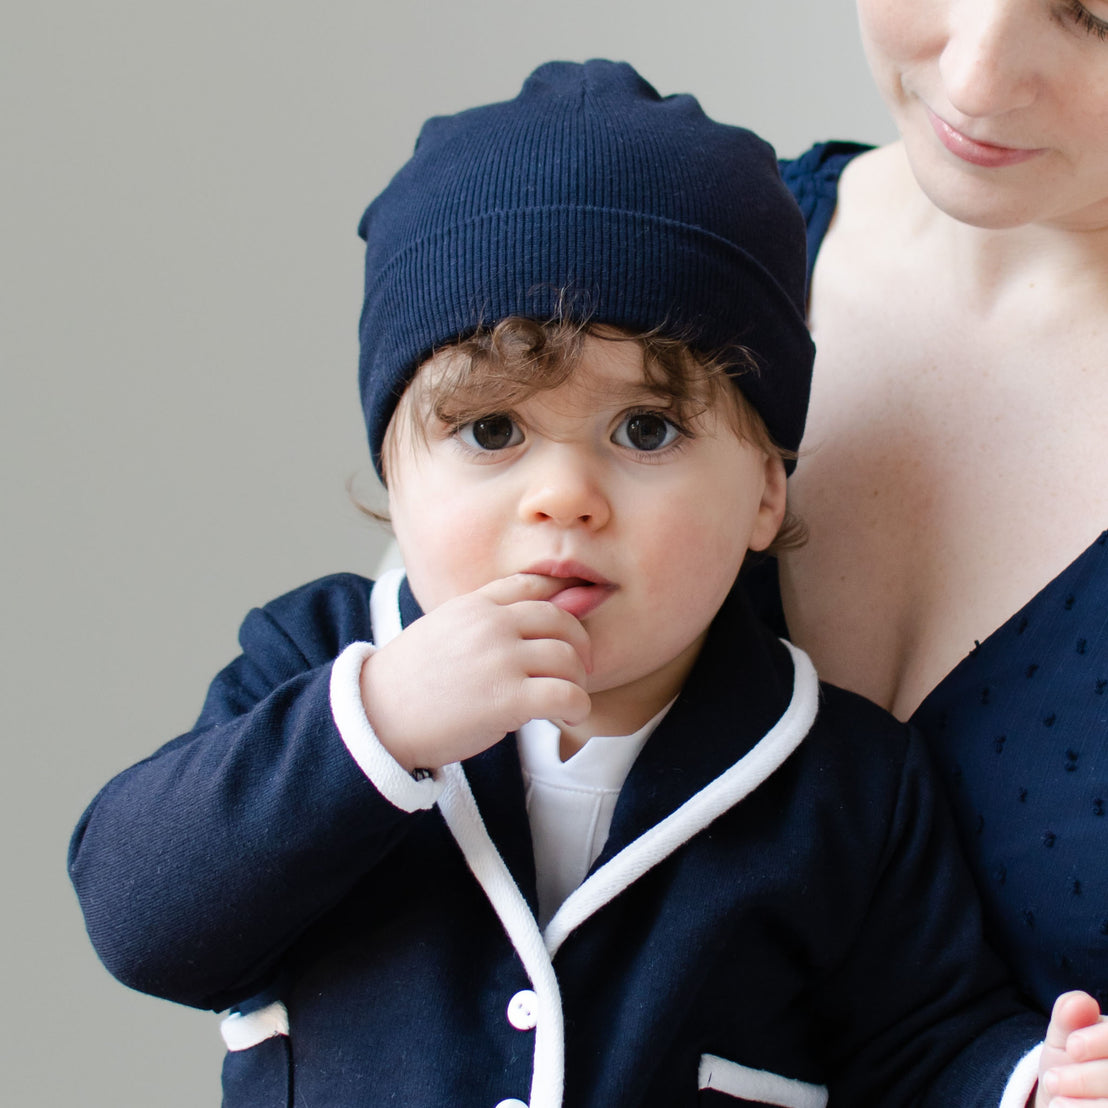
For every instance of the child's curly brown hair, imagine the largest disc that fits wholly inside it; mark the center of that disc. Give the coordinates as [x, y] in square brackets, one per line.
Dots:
[496, 368]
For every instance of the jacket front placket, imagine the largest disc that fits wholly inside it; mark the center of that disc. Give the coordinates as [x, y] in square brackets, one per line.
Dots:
[686, 778]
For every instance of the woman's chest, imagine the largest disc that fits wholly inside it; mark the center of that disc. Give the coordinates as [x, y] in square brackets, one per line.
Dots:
[949, 472]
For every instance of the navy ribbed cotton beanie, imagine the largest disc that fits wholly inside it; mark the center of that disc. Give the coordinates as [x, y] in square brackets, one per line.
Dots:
[650, 214]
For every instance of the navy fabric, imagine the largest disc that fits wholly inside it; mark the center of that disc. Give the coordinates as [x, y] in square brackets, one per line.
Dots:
[592, 198]
[1019, 730]
[813, 179]
[787, 936]
[260, 1076]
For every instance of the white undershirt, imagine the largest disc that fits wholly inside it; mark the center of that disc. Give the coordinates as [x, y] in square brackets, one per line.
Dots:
[570, 804]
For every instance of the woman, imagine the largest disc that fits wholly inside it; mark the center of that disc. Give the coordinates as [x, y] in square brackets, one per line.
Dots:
[954, 474]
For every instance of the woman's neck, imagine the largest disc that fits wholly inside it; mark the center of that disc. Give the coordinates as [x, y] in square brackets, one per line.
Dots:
[988, 268]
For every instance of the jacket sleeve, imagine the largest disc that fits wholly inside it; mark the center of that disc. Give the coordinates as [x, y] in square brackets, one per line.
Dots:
[197, 868]
[922, 1005]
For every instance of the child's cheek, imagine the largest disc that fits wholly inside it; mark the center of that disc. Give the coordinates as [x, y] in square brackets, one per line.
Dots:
[447, 547]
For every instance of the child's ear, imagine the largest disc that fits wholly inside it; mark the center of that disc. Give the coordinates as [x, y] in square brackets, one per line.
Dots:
[771, 510]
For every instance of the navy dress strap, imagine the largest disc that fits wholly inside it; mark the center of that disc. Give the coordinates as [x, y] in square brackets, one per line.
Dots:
[813, 179]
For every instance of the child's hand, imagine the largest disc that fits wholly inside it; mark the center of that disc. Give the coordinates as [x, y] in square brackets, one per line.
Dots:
[478, 666]
[1073, 1071]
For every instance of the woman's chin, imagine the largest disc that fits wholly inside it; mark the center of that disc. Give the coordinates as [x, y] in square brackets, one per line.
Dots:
[975, 196]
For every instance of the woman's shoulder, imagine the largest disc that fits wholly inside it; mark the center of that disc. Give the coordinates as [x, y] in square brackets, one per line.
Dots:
[813, 179]
[818, 169]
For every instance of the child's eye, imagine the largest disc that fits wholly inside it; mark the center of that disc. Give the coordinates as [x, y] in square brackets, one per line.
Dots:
[646, 431]
[494, 432]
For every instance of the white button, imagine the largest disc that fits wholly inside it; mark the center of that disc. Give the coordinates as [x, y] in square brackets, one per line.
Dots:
[513, 1103]
[522, 1015]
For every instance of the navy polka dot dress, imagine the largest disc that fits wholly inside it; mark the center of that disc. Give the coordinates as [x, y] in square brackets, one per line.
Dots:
[1019, 730]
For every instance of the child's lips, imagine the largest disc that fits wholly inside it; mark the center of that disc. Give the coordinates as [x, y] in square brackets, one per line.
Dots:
[581, 598]
[583, 589]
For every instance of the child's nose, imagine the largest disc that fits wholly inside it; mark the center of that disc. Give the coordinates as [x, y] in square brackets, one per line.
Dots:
[988, 64]
[564, 490]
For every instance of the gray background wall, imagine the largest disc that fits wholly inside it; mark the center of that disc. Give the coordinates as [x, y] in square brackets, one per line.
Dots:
[180, 287]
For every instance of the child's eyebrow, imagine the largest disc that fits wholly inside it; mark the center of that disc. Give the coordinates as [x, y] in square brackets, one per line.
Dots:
[641, 393]
[467, 402]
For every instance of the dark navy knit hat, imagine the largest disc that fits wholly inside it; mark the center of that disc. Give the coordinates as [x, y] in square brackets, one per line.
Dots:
[650, 214]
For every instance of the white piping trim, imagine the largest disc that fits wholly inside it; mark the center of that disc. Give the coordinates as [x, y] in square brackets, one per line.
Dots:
[760, 1086]
[1021, 1083]
[459, 809]
[698, 811]
[384, 607]
[536, 951]
[241, 1032]
[389, 777]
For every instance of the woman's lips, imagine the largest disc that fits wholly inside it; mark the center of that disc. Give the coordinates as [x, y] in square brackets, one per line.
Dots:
[583, 589]
[978, 153]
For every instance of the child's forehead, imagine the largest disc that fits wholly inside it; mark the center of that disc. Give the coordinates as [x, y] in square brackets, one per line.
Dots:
[608, 362]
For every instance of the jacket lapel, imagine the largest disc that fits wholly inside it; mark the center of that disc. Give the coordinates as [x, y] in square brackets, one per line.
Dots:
[720, 741]
[739, 687]
[749, 702]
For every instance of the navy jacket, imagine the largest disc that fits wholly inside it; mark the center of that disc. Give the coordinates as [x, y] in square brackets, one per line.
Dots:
[779, 916]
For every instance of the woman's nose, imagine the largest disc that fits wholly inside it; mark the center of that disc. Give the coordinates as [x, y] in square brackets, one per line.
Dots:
[989, 63]
[565, 489]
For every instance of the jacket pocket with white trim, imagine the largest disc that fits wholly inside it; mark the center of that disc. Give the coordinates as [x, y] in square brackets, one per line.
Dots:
[724, 1082]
